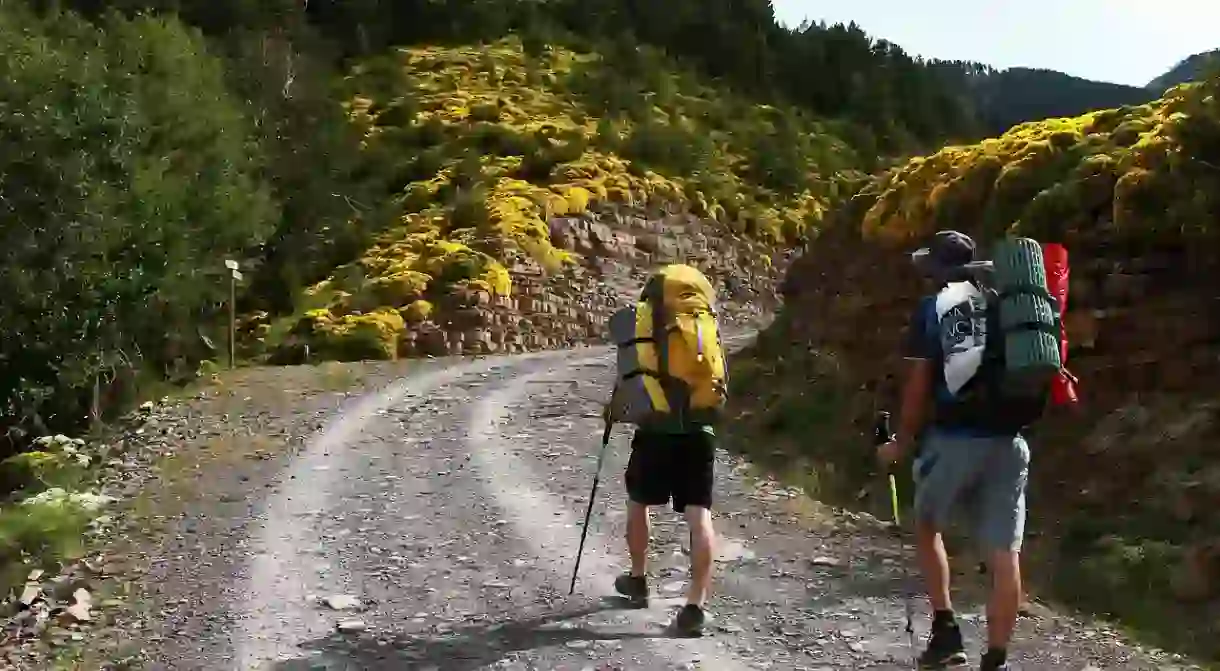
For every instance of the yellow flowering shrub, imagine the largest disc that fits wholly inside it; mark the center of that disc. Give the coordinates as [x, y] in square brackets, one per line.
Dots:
[1139, 170]
[417, 311]
[493, 144]
[357, 336]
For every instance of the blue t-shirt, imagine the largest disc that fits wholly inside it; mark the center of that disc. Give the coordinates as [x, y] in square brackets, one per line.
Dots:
[923, 342]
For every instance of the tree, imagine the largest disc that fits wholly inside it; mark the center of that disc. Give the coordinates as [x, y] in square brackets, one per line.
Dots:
[132, 172]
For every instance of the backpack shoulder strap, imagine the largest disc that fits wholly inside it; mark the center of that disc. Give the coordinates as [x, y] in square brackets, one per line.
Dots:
[654, 295]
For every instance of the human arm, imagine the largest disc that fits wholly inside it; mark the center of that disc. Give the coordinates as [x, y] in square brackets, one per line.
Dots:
[913, 413]
[921, 356]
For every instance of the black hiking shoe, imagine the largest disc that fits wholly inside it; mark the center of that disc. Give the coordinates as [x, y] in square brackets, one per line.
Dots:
[689, 621]
[994, 662]
[634, 588]
[945, 647]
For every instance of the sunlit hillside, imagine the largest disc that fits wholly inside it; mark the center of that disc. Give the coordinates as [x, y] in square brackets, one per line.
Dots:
[488, 143]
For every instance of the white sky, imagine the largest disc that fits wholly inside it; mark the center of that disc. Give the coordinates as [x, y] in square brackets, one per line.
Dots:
[1121, 41]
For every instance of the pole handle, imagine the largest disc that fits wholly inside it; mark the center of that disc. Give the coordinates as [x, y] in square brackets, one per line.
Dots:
[882, 433]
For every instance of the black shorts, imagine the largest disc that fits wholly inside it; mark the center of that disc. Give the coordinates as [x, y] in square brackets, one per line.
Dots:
[671, 466]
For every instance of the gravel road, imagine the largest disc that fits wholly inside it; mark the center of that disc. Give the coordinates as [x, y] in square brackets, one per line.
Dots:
[438, 508]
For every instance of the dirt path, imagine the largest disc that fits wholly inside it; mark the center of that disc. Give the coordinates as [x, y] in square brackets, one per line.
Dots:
[447, 500]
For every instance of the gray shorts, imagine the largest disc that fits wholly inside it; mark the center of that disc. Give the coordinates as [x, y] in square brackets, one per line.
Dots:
[985, 476]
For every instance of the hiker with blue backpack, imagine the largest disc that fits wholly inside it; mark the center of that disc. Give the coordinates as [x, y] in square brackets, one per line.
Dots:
[671, 384]
[983, 353]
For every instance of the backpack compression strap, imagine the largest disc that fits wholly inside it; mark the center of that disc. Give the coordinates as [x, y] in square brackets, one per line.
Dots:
[654, 294]
[1034, 290]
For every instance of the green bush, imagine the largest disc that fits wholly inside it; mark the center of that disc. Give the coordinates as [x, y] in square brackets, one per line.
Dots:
[44, 529]
[33, 472]
[128, 178]
[41, 531]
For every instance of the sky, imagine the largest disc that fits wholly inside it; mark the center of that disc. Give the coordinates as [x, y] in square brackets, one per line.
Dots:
[1121, 41]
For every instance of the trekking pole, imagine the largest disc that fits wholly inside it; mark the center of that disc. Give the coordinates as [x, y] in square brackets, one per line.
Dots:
[883, 435]
[584, 532]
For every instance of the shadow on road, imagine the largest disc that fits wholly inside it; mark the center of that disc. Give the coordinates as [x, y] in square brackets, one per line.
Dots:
[463, 649]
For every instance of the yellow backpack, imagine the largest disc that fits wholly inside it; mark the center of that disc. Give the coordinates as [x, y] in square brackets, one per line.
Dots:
[671, 367]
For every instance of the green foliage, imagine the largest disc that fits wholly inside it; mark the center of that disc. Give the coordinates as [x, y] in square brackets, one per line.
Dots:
[1197, 67]
[330, 196]
[834, 71]
[287, 181]
[129, 168]
[997, 100]
[43, 530]
[33, 472]
[667, 148]
[37, 533]
[474, 193]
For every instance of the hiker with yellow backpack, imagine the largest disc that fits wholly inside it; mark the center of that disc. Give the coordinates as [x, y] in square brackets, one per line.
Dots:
[671, 383]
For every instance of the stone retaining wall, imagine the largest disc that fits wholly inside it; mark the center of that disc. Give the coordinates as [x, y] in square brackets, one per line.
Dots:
[618, 247]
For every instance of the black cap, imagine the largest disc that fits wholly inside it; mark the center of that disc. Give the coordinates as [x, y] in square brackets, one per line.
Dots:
[948, 251]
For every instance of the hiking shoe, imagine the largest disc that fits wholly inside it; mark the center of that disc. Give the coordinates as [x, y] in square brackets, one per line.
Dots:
[689, 621]
[945, 647]
[634, 588]
[991, 663]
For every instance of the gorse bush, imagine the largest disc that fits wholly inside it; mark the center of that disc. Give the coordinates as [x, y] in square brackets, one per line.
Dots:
[1133, 173]
[833, 71]
[496, 142]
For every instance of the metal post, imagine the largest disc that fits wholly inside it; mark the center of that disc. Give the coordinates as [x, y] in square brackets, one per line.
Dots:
[234, 275]
[96, 411]
[232, 321]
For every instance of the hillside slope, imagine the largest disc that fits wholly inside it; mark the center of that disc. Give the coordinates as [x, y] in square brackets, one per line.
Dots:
[322, 200]
[1191, 68]
[999, 99]
[1016, 95]
[498, 156]
[1120, 493]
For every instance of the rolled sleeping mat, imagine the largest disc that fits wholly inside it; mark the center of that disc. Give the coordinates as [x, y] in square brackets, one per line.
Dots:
[622, 326]
[636, 392]
[1027, 316]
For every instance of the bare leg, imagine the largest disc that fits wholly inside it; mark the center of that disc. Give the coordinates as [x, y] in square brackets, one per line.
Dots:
[934, 562]
[637, 537]
[703, 542]
[1005, 601]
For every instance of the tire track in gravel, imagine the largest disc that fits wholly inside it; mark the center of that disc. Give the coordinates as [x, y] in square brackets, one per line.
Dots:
[452, 501]
[789, 596]
[545, 520]
[762, 613]
[288, 565]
